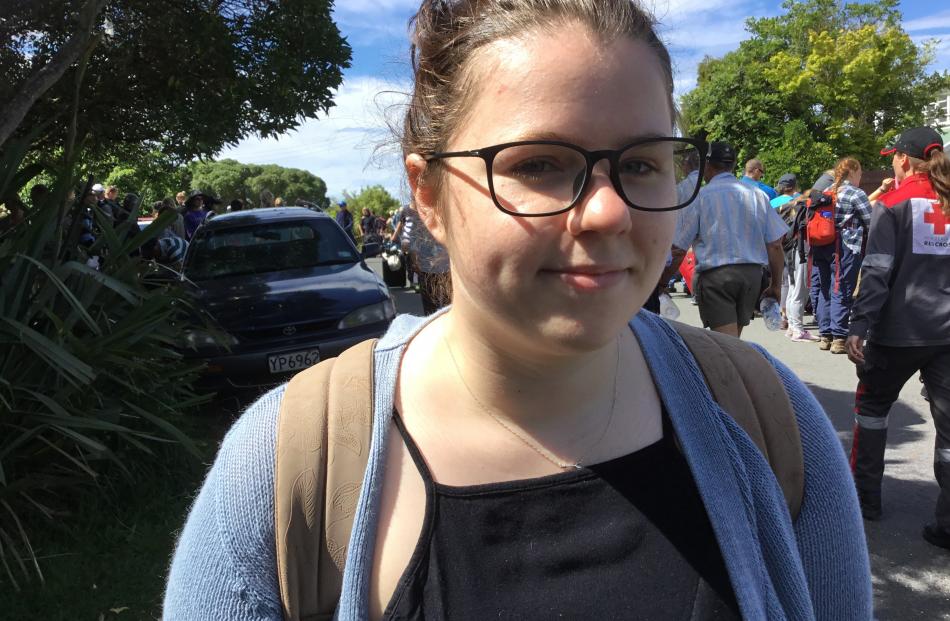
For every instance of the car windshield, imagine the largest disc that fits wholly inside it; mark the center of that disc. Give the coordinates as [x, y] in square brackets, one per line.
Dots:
[267, 247]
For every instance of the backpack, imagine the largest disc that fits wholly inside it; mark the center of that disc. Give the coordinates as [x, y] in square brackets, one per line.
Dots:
[789, 214]
[323, 443]
[820, 229]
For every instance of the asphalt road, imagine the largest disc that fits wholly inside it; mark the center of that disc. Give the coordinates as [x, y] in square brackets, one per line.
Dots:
[911, 577]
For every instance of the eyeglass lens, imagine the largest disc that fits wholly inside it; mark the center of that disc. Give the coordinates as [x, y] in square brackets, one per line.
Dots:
[544, 178]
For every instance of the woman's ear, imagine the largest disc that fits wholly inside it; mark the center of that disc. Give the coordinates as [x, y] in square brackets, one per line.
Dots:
[424, 197]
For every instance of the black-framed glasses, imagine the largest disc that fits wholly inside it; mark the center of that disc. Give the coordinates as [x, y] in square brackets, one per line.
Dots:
[534, 178]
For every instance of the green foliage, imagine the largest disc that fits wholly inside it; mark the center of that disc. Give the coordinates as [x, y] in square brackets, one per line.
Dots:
[90, 379]
[823, 80]
[110, 560]
[184, 78]
[797, 153]
[230, 179]
[152, 175]
[375, 198]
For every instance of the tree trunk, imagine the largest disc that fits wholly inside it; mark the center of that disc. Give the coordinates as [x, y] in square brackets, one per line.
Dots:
[36, 86]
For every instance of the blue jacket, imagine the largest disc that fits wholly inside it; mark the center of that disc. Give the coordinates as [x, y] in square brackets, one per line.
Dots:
[817, 568]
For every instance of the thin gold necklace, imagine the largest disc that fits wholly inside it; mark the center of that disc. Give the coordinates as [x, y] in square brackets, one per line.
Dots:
[534, 446]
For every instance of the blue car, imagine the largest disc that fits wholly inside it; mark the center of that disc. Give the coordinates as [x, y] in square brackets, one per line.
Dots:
[287, 288]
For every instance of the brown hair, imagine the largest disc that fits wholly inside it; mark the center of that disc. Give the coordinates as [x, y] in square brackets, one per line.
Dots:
[446, 37]
[843, 170]
[937, 169]
[448, 34]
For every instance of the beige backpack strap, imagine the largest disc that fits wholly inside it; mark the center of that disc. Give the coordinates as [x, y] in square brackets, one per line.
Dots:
[323, 436]
[747, 387]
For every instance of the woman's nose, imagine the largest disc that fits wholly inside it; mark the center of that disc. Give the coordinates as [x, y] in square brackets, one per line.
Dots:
[601, 208]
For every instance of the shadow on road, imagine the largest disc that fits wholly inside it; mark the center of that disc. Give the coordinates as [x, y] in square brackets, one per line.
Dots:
[911, 577]
[839, 405]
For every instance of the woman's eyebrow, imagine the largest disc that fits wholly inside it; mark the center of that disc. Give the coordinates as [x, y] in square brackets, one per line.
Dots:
[551, 135]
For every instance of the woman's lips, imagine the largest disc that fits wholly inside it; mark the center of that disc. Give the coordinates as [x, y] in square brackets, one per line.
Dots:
[590, 278]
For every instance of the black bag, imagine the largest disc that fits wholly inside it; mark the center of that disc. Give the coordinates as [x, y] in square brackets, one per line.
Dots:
[789, 213]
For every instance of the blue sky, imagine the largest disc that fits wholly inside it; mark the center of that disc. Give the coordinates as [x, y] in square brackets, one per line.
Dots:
[352, 146]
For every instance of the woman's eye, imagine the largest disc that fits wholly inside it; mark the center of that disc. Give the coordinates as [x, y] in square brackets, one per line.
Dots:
[636, 167]
[534, 167]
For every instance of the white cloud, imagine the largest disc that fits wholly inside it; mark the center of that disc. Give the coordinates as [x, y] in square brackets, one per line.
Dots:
[350, 148]
[941, 49]
[373, 7]
[709, 37]
[930, 22]
[374, 21]
[676, 10]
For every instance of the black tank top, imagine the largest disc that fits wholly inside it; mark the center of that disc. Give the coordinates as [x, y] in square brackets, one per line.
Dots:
[625, 539]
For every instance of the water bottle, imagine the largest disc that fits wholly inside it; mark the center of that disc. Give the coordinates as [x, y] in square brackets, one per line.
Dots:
[668, 308]
[771, 313]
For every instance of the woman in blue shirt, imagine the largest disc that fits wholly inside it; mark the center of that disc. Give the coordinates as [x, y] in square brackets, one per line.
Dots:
[535, 453]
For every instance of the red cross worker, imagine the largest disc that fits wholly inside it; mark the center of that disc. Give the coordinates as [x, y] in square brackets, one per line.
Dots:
[900, 321]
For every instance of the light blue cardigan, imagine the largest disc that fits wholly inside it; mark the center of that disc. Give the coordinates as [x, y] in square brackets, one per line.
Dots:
[224, 565]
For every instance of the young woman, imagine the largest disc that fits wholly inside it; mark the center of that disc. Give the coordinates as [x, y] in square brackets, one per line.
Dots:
[536, 449]
[908, 251]
[838, 263]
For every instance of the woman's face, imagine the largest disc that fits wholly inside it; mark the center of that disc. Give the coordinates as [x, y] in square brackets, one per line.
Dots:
[569, 282]
[856, 176]
[899, 164]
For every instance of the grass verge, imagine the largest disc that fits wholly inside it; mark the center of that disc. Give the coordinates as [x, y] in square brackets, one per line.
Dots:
[109, 558]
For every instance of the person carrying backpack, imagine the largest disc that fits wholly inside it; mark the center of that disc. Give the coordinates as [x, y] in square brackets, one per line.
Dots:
[542, 448]
[835, 233]
[900, 323]
[789, 205]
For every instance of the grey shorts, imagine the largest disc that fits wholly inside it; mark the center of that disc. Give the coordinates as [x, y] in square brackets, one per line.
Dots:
[728, 294]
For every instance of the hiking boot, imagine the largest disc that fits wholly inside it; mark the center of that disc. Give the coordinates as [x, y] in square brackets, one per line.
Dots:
[936, 535]
[803, 336]
[837, 347]
[824, 344]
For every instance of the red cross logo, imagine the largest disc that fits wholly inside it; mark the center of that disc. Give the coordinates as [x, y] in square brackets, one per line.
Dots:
[937, 219]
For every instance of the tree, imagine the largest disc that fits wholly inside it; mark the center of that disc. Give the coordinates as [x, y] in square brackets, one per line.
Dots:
[375, 198]
[230, 179]
[36, 85]
[152, 178]
[184, 78]
[823, 80]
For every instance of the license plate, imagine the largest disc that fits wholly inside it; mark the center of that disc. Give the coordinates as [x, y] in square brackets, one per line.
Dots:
[293, 361]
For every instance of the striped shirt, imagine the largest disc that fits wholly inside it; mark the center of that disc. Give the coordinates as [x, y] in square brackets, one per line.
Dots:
[729, 223]
[172, 248]
[852, 215]
[686, 187]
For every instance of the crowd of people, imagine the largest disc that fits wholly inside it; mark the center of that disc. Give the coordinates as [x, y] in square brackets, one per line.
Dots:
[191, 209]
[875, 270]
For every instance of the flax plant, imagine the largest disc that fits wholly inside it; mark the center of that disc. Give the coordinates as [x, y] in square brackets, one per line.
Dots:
[91, 375]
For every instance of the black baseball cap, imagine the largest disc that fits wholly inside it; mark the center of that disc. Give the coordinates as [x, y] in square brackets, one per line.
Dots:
[916, 142]
[722, 152]
[788, 179]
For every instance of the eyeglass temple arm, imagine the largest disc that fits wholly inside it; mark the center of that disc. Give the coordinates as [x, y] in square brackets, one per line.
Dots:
[436, 156]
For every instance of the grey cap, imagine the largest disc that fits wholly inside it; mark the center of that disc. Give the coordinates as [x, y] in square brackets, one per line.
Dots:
[789, 180]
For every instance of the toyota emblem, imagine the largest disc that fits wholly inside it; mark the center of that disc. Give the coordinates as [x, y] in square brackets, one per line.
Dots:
[290, 331]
